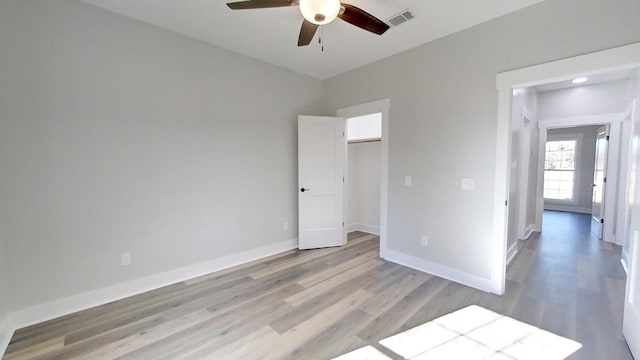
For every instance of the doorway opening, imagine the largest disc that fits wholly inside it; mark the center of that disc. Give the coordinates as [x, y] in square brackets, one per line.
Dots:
[364, 138]
[570, 152]
[514, 82]
[620, 196]
[367, 168]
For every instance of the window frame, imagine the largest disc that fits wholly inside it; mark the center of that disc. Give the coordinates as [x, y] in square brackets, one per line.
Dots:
[576, 171]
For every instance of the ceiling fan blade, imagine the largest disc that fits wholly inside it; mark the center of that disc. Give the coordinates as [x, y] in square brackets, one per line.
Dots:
[362, 19]
[261, 4]
[307, 32]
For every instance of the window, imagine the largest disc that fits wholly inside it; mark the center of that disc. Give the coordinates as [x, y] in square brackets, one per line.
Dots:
[560, 169]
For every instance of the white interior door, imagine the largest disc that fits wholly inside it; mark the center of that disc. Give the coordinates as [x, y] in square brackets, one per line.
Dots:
[321, 166]
[599, 182]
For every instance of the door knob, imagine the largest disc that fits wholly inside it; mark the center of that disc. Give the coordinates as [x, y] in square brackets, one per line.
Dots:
[303, 190]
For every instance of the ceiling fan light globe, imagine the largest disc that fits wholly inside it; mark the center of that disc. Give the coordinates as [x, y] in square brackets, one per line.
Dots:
[320, 12]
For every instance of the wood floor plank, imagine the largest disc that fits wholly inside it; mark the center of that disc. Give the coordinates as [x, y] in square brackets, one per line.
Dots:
[382, 302]
[288, 342]
[325, 285]
[332, 271]
[335, 340]
[520, 269]
[588, 276]
[316, 304]
[393, 319]
[243, 348]
[302, 312]
[36, 350]
[301, 258]
[143, 338]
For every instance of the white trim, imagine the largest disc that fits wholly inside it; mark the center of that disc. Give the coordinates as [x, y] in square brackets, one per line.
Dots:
[371, 229]
[380, 106]
[625, 159]
[512, 252]
[51, 310]
[619, 58]
[527, 120]
[624, 57]
[612, 186]
[625, 266]
[6, 333]
[565, 122]
[529, 231]
[439, 270]
[567, 208]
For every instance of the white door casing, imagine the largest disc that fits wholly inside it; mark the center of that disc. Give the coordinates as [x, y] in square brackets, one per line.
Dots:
[631, 318]
[378, 106]
[321, 168]
[624, 57]
[599, 182]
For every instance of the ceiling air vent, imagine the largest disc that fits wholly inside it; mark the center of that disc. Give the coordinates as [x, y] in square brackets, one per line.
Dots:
[400, 18]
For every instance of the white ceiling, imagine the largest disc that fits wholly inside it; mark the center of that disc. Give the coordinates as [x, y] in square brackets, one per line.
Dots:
[271, 34]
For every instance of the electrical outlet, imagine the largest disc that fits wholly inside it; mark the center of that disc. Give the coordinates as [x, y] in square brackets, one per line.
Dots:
[285, 226]
[468, 184]
[424, 240]
[125, 259]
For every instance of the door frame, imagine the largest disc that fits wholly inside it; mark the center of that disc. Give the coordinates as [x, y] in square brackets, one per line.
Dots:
[378, 106]
[614, 121]
[624, 57]
[527, 120]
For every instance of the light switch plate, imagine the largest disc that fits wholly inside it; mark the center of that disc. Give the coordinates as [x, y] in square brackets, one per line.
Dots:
[468, 184]
[407, 181]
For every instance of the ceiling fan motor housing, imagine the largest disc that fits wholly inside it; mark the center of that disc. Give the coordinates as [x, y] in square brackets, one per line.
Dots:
[320, 12]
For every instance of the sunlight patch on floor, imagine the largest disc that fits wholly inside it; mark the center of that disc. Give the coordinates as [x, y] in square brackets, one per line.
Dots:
[472, 333]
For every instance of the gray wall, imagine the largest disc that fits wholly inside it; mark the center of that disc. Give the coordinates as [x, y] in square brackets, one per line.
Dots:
[602, 98]
[4, 274]
[587, 156]
[442, 124]
[117, 136]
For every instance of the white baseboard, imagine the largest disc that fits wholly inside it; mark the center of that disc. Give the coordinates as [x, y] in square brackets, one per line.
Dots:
[442, 271]
[371, 229]
[624, 265]
[51, 310]
[529, 230]
[5, 335]
[512, 252]
[568, 208]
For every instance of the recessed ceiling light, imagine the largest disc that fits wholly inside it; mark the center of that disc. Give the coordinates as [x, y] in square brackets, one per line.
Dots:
[579, 80]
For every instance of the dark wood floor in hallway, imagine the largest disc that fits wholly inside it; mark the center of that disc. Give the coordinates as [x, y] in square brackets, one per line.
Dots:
[323, 303]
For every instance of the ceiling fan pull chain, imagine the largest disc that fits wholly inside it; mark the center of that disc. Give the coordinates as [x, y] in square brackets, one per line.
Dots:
[321, 37]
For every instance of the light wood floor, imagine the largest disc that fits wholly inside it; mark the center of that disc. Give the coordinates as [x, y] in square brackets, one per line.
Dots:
[322, 303]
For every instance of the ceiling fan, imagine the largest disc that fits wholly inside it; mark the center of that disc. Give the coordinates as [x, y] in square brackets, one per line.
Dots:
[319, 12]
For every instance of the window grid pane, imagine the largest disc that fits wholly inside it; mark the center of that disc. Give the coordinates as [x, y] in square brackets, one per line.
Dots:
[559, 164]
[560, 155]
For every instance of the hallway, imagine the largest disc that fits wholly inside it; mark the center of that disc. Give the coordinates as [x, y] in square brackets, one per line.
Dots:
[566, 281]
